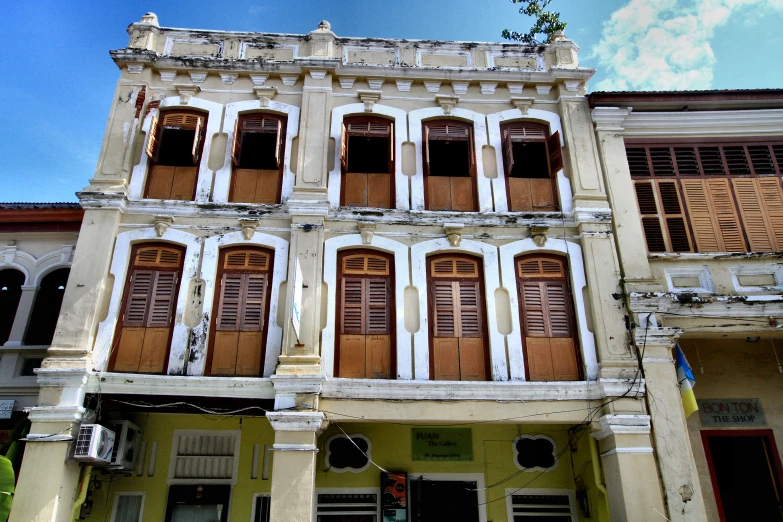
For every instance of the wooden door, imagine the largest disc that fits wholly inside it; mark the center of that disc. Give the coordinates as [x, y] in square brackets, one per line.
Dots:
[547, 319]
[258, 173]
[366, 314]
[458, 337]
[144, 331]
[370, 188]
[240, 313]
[528, 191]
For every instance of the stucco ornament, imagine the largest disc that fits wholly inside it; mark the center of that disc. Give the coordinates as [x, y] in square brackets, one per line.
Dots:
[248, 227]
[324, 26]
[162, 224]
[538, 233]
[454, 233]
[522, 103]
[367, 231]
[447, 103]
[369, 99]
[186, 91]
[265, 94]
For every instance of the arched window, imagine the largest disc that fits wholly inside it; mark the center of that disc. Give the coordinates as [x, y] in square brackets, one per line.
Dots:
[547, 317]
[143, 337]
[367, 159]
[449, 166]
[257, 153]
[531, 158]
[46, 310]
[240, 313]
[458, 347]
[11, 282]
[366, 315]
[174, 147]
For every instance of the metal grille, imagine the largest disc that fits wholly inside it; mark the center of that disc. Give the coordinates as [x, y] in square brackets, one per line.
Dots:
[83, 441]
[555, 508]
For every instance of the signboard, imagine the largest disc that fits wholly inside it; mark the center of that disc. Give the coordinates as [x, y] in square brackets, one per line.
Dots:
[453, 444]
[296, 307]
[6, 408]
[394, 497]
[721, 413]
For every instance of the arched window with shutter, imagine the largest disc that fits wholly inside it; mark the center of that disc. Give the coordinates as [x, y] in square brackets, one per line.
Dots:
[547, 318]
[531, 160]
[366, 315]
[240, 313]
[458, 340]
[257, 154]
[449, 166]
[143, 336]
[367, 161]
[11, 282]
[174, 147]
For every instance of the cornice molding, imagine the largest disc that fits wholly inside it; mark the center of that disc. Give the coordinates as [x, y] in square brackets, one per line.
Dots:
[703, 123]
[610, 118]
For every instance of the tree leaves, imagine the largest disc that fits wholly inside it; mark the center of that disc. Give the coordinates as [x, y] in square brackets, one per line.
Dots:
[6, 488]
[547, 23]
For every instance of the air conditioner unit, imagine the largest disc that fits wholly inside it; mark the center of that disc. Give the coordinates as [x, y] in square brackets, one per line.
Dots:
[126, 444]
[94, 444]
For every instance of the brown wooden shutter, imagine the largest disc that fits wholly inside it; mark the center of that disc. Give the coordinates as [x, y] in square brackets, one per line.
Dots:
[470, 324]
[197, 141]
[445, 316]
[713, 216]
[230, 301]
[508, 152]
[761, 206]
[162, 300]
[152, 142]
[426, 146]
[353, 304]
[555, 153]
[254, 302]
[236, 149]
[141, 283]
[377, 309]
[279, 144]
[344, 149]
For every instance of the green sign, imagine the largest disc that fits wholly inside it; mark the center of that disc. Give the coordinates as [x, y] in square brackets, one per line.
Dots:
[455, 444]
[721, 413]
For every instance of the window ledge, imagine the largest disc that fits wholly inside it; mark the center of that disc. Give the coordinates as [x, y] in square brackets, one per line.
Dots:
[510, 391]
[195, 386]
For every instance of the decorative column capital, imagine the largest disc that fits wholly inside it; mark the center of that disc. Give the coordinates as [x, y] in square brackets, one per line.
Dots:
[300, 421]
[622, 425]
[610, 118]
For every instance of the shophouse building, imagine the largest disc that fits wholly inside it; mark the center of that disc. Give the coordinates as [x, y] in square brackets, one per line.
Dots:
[326, 278]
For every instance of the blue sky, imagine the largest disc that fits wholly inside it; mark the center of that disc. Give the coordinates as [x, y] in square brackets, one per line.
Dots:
[58, 79]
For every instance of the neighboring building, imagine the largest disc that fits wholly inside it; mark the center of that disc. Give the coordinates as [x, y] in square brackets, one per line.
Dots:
[292, 240]
[37, 241]
[700, 248]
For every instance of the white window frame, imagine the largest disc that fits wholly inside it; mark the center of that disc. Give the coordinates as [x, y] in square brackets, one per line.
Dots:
[775, 270]
[349, 491]
[541, 491]
[328, 452]
[171, 480]
[117, 496]
[701, 272]
[255, 501]
[533, 436]
[478, 478]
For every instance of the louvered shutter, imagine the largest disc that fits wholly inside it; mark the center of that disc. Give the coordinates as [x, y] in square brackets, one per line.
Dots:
[196, 141]
[469, 303]
[228, 318]
[713, 216]
[508, 152]
[236, 146]
[648, 208]
[555, 153]
[426, 146]
[444, 302]
[558, 309]
[344, 148]
[761, 206]
[254, 302]
[377, 294]
[279, 144]
[353, 305]
[152, 141]
[532, 299]
[162, 302]
[138, 298]
[391, 147]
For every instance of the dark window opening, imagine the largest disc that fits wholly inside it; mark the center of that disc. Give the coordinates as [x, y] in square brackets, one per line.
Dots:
[29, 365]
[368, 155]
[530, 160]
[11, 282]
[46, 309]
[449, 158]
[258, 151]
[176, 147]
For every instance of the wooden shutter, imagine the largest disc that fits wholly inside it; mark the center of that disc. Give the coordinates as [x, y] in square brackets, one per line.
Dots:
[447, 130]
[377, 309]
[444, 303]
[162, 300]
[230, 302]
[713, 217]
[555, 153]
[426, 146]
[353, 304]
[344, 148]
[141, 283]
[761, 206]
[508, 152]
[469, 303]
[196, 141]
[665, 227]
[152, 141]
[236, 146]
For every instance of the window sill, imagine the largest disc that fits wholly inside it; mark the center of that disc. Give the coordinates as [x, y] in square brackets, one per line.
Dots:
[196, 386]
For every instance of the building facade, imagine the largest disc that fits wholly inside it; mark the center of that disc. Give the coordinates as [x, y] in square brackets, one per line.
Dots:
[695, 187]
[325, 278]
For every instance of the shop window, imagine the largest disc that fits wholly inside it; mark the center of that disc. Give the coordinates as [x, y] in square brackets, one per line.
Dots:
[174, 147]
[535, 452]
[367, 160]
[350, 453]
[258, 155]
[144, 330]
[350, 506]
[261, 507]
[366, 316]
[557, 506]
[240, 313]
[46, 309]
[449, 166]
[193, 503]
[532, 159]
[547, 318]
[458, 347]
[709, 197]
[11, 282]
[128, 507]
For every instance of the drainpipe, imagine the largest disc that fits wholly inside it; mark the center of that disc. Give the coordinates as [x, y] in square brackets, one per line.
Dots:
[597, 473]
[80, 498]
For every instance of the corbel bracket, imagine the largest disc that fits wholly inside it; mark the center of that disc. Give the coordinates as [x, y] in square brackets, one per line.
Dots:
[186, 91]
[369, 99]
[538, 233]
[447, 102]
[248, 227]
[265, 94]
[454, 233]
[522, 103]
[367, 230]
[162, 223]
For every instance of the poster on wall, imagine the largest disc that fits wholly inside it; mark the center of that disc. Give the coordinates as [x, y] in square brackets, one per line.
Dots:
[394, 497]
[442, 444]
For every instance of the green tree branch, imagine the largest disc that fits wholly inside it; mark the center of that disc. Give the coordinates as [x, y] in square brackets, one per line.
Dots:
[547, 23]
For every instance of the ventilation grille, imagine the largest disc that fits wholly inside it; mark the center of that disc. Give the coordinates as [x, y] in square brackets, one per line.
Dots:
[331, 504]
[552, 508]
[261, 125]
[526, 133]
[83, 441]
[205, 457]
[246, 260]
[181, 120]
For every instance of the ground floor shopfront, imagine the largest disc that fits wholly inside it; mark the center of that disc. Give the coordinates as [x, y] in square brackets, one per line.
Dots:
[198, 468]
[735, 434]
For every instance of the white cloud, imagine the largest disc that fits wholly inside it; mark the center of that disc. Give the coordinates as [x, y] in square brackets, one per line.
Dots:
[665, 45]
